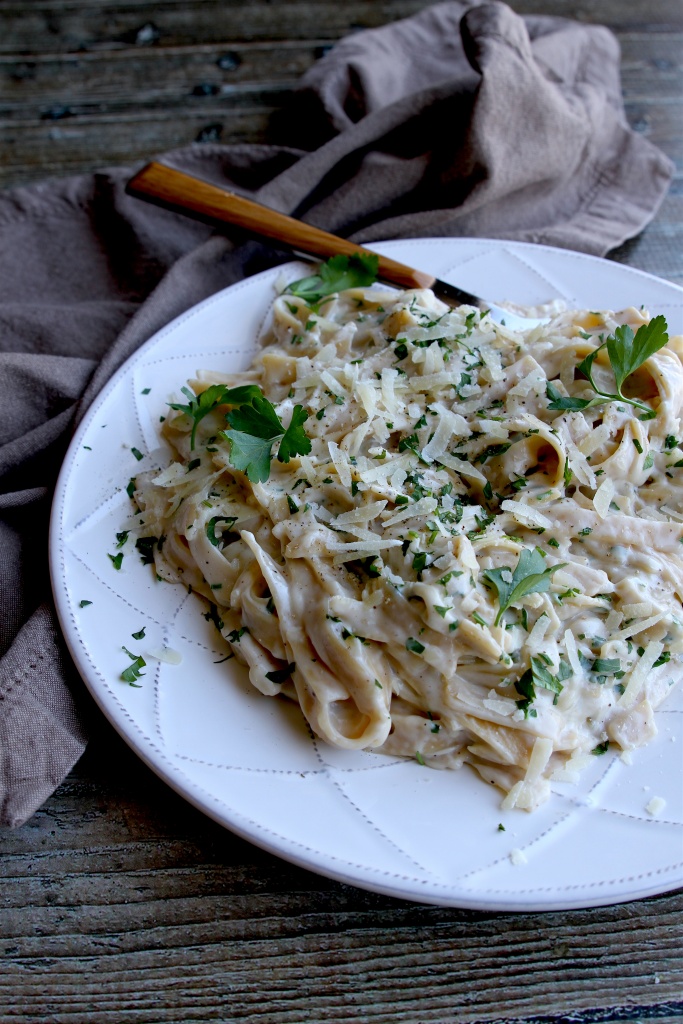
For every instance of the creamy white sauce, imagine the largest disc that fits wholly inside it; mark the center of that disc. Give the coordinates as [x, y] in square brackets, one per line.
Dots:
[436, 460]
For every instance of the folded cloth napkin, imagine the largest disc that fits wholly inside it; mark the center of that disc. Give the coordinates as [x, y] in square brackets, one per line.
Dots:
[463, 120]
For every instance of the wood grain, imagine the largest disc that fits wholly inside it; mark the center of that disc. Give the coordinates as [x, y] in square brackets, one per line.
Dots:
[118, 898]
[85, 26]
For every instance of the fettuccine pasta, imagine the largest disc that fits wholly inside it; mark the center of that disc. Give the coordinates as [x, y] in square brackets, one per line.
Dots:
[455, 572]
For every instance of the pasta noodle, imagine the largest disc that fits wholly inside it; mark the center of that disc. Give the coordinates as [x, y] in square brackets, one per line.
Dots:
[455, 572]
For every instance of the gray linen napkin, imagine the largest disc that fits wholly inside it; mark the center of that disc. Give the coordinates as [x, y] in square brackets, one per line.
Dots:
[463, 120]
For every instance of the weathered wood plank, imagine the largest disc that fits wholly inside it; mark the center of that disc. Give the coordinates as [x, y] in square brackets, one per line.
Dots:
[60, 85]
[56, 85]
[74, 27]
[118, 898]
[88, 138]
[84, 26]
[31, 151]
[79, 27]
[408, 974]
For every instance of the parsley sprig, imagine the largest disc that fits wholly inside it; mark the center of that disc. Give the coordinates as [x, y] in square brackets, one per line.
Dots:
[530, 576]
[337, 274]
[201, 405]
[626, 352]
[255, 427]
[538, 675]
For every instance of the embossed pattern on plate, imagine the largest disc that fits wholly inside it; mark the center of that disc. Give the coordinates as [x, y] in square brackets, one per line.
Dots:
[251, 762]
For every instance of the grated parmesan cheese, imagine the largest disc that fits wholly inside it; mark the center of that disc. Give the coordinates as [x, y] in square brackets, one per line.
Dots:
[655, 806]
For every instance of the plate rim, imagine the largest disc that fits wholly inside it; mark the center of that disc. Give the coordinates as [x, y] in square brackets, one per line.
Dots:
[209, 803]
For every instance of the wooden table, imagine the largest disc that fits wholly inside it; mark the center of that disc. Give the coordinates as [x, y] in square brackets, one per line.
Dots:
[119, 901]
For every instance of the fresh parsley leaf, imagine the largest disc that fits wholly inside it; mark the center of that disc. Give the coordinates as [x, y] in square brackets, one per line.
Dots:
[442, 610]
[130, 674]
[545, 679]
[250, 454]
[606, 666]
[414, 645]
[420, 561]
[530, 576]
[223, 539]
[525, 687]
[235, 635]
[255, 427]
[585, 367]
[201, 405]
[560, 403]
[337, 274]
[367, 565]
[145, 547]
[279, 675]
[627, 352]
[449, 576]
[257, 418]
[294, 440]
[213, 616]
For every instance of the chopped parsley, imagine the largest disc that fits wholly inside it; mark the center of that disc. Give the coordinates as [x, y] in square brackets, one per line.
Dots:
[279, 675]
[443, 610]
[145, 546]
[133, 673]
[414, 645]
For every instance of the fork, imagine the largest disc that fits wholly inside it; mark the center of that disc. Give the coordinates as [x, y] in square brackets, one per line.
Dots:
[183, 193]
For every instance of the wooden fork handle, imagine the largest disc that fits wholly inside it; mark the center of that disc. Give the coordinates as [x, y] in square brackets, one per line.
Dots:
[184, 193]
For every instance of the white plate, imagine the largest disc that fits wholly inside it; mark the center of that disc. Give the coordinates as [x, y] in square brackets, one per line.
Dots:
[249, 761]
